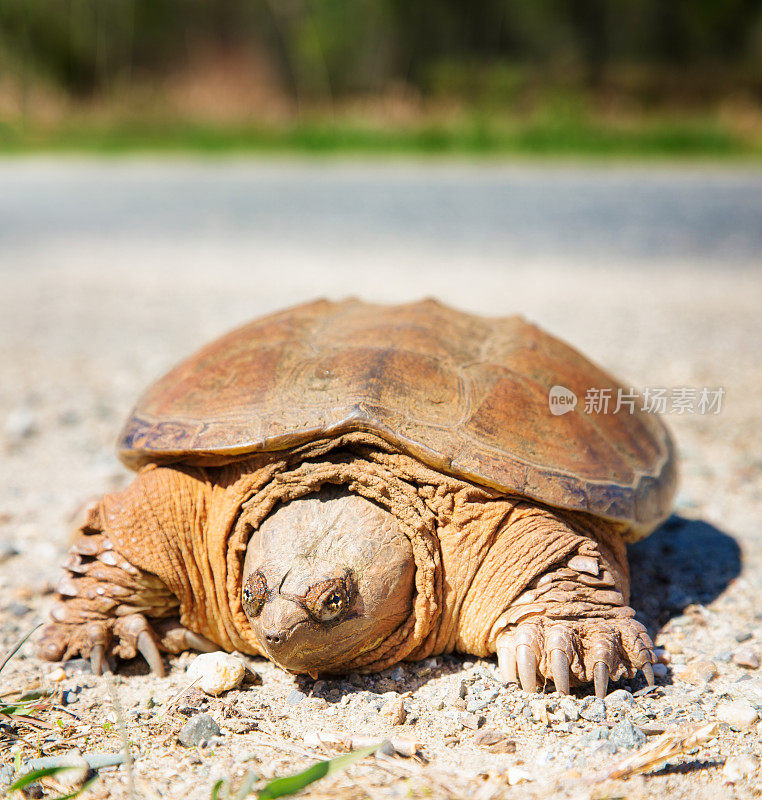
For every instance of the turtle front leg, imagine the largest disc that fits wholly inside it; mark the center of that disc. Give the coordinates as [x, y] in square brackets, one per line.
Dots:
[572, 624]
[104, 607]
[548, 596]
[108, 607]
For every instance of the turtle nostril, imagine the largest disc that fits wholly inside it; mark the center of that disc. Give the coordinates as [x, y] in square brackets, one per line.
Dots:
[273, 638]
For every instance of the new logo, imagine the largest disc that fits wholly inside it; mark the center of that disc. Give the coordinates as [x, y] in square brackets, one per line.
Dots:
[561, 400]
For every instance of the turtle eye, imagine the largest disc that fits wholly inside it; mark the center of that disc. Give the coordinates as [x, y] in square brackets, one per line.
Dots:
[332, 605]
[254, 594]
[328, 600]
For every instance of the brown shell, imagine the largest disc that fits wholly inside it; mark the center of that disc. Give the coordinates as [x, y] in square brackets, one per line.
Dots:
[465, 394]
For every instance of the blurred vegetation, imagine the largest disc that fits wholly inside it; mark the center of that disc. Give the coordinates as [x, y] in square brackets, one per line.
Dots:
[661, 76]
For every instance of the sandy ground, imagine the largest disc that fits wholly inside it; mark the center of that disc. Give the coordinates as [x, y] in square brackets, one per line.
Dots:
[87, 320]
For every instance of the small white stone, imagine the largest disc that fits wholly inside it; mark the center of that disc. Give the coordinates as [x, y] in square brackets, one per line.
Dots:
[569, 709]
[19, 424]
[216, 672]
[57, 675]
[740, 714]
[660, 671]
[515, 775]
[746, 657]
[394, 711]
[539, 711]
[739, 767]
[619, 696]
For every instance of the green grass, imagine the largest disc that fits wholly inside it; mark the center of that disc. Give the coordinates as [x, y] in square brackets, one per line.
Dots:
[479, 137]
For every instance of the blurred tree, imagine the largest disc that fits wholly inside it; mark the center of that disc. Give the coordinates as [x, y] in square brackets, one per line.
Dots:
[322, 48]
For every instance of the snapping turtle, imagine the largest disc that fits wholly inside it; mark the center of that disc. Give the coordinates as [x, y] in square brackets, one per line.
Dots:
[341, 486]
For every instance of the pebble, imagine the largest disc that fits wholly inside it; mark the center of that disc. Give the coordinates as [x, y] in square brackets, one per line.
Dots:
[482, 702]
[57, 675]
[653, 728]
[698, 672]
[77, 665]
[198, 729]
[596, 733]
[472, 721]
[739, 767]
[457, 691]
[20, 424]
[724, 656]
[394, 711]
[749, 688]
[620, 696]
[569, 709]
[17, 609]
[70, 696]
[386, 748]
[746, 657]
[595, 712]
[539, 711]
[216, 672]
[660, 671]
[294, 697]
[624, 734]
[495, 741]
[7, 550]
[740, 714]
[742, 636]
[515, 775]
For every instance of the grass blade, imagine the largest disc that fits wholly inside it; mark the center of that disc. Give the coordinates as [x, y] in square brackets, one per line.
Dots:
[46, 772]
[34, 776]
[280, 787]
[12, 652]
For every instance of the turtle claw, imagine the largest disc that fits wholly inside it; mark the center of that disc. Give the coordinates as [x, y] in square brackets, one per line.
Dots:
[560, 668]
[150, 652]
[98, 663]
[527, 664]
[506, 659]
[600, 679]
[574, 652]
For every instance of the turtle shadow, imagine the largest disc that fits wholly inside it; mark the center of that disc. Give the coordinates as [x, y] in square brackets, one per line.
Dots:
[684, 562]
[415, 675]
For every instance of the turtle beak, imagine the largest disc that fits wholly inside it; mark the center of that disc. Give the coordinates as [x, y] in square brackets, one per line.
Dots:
[277, 622]
[291, 639]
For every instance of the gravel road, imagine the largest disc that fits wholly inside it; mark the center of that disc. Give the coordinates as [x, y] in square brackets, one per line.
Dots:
[112, 271]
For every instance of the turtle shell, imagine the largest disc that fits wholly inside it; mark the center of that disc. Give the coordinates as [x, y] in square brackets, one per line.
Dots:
[467, 395]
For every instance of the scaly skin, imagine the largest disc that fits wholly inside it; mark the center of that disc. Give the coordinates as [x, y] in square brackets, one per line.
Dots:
[160, 566]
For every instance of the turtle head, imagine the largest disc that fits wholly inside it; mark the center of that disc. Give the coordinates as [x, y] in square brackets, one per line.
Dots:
[326, 578]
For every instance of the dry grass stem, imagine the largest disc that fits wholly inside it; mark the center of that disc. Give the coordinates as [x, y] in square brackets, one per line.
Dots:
[667, 746]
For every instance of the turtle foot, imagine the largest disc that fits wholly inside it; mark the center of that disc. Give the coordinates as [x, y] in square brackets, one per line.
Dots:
[104, 607]
[100, 640]
[575, 652]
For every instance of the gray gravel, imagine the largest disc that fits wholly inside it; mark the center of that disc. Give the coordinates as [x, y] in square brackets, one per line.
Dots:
[198, 730]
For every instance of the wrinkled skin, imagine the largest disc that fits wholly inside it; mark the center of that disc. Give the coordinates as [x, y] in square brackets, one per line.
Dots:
[271, 558]
[325, 577]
